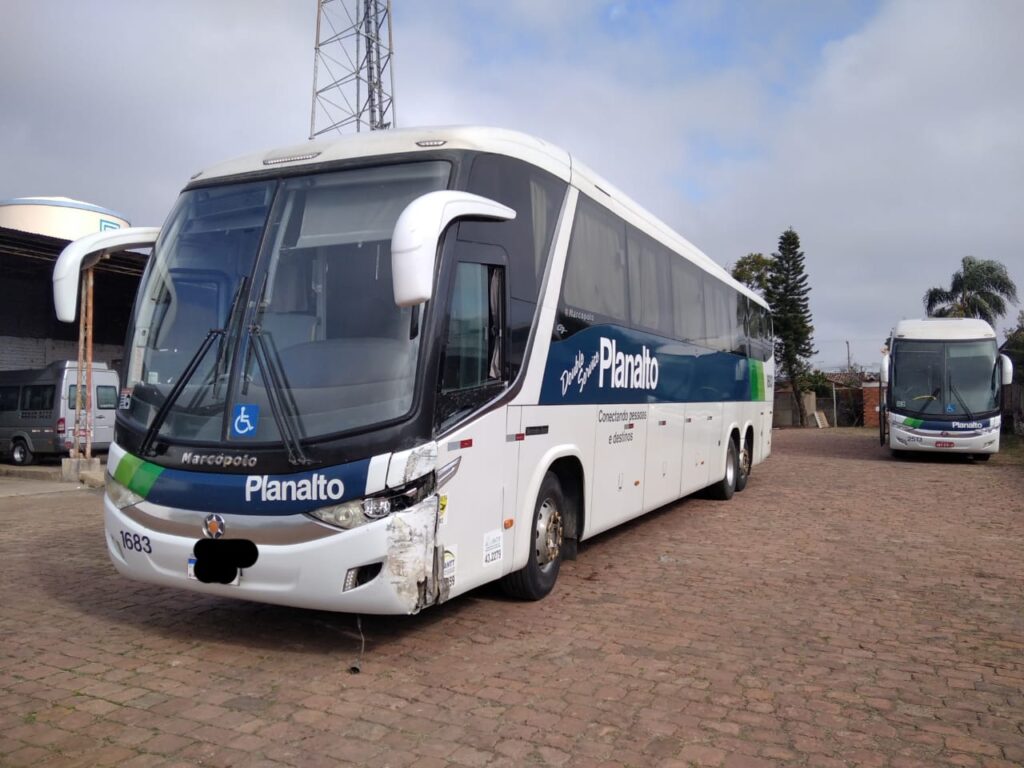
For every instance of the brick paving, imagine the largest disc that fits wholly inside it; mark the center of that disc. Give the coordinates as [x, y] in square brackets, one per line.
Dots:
[844, 610]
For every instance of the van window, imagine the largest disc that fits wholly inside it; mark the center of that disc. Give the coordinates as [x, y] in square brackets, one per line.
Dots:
[105, 399]
[37, 397]
[9, 398]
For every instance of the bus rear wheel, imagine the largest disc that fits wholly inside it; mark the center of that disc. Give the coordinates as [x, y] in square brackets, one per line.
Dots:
[744, 466]
[537, 578]
[726, 487]
[21, 454]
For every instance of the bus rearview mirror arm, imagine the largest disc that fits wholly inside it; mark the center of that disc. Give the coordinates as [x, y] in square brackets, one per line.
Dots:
[417, 232]
[86, 252]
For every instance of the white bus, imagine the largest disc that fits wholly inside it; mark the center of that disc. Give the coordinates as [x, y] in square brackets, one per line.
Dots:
[370, 374]
[941, 380]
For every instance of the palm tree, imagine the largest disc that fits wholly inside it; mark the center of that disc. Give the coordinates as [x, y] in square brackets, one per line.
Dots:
[980, 288]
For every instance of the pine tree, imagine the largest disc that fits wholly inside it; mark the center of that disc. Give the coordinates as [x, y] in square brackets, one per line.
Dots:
[791, 316]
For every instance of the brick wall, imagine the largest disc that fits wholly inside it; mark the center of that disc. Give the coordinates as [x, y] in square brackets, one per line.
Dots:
[871, 395]
[19, 352]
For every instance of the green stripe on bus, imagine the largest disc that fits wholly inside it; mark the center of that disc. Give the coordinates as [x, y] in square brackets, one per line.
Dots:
[913, 422]
[137, 475]
[756, 380]
[144, 478]
[126, 468]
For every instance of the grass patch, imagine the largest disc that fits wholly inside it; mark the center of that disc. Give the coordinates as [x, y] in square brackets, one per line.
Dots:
[1011, 450]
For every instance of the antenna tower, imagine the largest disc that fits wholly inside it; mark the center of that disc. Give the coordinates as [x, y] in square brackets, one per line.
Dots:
[353, 77]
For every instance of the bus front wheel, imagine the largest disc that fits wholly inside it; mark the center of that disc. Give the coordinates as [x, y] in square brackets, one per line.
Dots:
[537, 578]
[724, 488]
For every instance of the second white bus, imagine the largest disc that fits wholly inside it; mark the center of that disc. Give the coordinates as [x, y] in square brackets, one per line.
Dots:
[941, 380]
[371, 374]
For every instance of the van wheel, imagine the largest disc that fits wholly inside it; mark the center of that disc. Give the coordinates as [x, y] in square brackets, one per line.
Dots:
[21, 454]
[744, 466]
[724, 488]
[537, 578]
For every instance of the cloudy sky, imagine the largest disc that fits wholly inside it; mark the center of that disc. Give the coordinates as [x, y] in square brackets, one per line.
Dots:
[888, 133]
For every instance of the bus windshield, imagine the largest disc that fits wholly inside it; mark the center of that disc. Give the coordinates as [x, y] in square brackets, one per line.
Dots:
[293, 280]
[945, 379]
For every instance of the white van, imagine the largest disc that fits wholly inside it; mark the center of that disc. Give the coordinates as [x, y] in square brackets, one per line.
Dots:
[37, 410]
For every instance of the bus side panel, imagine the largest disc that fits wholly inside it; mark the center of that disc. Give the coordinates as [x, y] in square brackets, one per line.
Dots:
[663, 475]
[570, 432]
[470, 531]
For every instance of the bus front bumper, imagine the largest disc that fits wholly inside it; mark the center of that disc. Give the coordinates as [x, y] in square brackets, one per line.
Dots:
[306, 574]
[911, 439]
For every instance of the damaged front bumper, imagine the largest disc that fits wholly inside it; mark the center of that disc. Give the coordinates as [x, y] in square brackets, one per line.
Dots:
[301, 562]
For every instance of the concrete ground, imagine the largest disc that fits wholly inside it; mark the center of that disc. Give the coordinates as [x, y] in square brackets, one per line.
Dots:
[845, 610]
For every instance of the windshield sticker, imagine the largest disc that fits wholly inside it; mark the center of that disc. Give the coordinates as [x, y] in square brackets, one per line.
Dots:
[244, 420]
[950, 408]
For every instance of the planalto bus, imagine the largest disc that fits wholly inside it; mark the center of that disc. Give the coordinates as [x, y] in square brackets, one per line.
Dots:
[370, 374]
[941, 380]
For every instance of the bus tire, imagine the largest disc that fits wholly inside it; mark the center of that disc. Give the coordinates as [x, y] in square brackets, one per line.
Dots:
[537, 578]
[726, 487]
[744, 465]
[21, 454]
[982, 456]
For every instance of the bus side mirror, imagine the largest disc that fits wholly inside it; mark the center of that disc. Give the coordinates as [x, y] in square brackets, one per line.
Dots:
[1006, 364]
[86, 252]
[883, 373]
[417, 232]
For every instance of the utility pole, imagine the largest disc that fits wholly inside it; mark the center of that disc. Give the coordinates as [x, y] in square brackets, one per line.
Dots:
[353, 73]
[849, 363]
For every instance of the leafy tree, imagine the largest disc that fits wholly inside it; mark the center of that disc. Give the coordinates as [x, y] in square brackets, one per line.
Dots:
[752, 270]
[786, 293]
[980, 288]
[1015, 342]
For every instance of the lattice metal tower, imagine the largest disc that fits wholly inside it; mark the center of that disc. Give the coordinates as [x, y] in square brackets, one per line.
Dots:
[353, 77]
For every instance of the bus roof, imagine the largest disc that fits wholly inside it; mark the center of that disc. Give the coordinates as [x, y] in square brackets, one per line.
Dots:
[943, 328]
[494, 140]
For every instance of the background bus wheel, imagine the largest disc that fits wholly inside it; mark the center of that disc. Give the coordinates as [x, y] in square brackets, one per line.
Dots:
[537, 578]
[21, 454]
[744, 466]
[725, 488]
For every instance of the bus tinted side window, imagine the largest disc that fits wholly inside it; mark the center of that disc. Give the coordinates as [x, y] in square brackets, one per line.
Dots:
[688, 293]
[650, 284]
[595, 288]
[536, 197]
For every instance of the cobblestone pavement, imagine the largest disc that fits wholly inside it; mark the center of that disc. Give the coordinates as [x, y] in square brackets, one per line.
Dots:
[846, 609]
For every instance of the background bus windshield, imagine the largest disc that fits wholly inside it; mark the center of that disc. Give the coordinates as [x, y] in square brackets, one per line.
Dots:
[951, 379]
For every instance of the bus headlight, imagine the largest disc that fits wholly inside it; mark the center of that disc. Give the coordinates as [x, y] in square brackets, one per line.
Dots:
[352, 514]
[120, 496]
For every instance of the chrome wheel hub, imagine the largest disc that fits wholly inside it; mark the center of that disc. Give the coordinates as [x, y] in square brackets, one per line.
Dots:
[548, 542]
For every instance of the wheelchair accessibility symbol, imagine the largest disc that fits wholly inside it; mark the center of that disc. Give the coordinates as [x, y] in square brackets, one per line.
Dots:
[244, 420]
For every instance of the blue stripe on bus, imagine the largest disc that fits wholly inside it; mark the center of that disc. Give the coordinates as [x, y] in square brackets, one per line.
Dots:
[260, 494]
[610, 364]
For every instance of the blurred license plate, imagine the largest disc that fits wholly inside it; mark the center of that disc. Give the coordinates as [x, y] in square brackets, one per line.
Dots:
[943, 444]
[190, 572]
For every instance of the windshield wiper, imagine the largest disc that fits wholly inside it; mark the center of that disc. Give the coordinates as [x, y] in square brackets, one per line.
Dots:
[177, 389]
[282, 407]
[956, 394]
